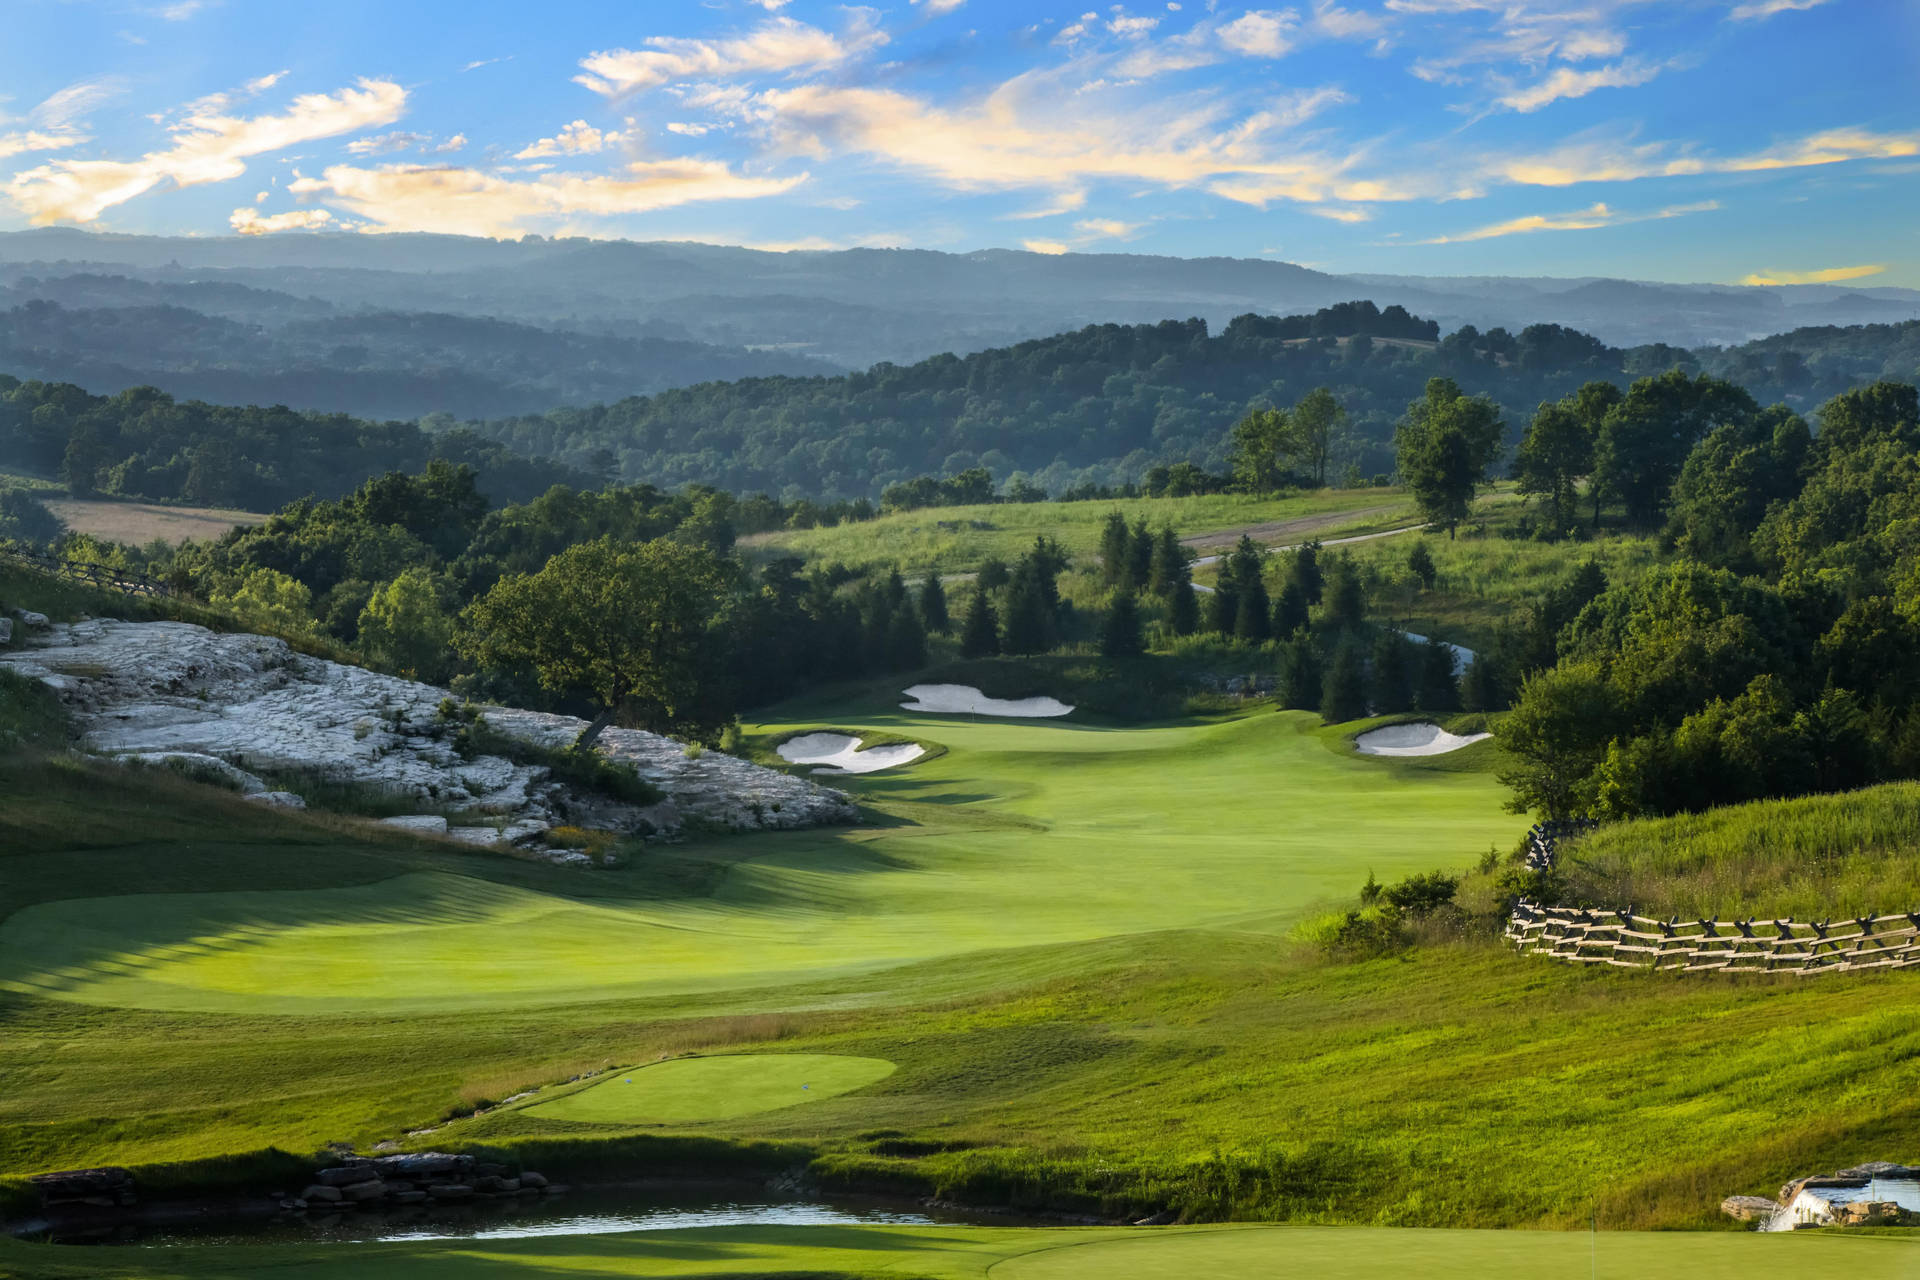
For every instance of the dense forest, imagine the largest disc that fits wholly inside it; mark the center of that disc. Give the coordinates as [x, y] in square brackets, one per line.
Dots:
[1103, 405]
[143, 444]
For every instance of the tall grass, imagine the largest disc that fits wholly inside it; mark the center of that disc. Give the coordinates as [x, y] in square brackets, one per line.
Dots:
[1815, 858]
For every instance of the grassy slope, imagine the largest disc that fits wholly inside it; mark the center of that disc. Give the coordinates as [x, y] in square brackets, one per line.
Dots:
[944, 538]
[1816, 858]
[1025, 833]
[1211, 1068]
[970, 1253]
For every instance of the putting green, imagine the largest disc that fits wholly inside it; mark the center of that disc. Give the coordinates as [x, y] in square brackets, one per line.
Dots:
[973, 1253]
[1022, 833]
[690, 1090]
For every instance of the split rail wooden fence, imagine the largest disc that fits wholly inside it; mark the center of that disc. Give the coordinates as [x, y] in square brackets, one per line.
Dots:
[1797, 947]
[99, 575]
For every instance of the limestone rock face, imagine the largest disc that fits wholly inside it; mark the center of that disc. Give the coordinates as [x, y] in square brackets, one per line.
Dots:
[250, 704]
[1748, 1208]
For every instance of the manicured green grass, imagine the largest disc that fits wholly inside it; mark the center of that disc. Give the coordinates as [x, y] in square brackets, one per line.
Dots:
[1025, 832]
[689, 1090]
[969, 1253]
[952, 539]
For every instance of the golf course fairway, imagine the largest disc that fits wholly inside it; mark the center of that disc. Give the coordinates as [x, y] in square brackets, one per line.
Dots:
[1024, 832]
[1019, 1253]
[688, 1090]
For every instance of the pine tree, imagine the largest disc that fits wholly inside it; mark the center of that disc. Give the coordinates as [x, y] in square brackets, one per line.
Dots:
[1481, 688]
[1140, 557]
[1183, 609]
[980, 633]
[1168, 567]
[896, 590]
[933, 606]
[1420, 563]
[1120, 635]
[1392, 674]
[1029, 627]
[1346, 599]
[1253, 621]
[1305, 572]
[1438, 689]
[1343, 693]
[1301, 676]
[906, 639]
[1289, 610]
[1116, 550]
[1223, 608]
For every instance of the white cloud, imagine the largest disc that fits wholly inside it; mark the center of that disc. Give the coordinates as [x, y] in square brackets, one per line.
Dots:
[577, 139]
[13, 144]
[181, 10]
[690, 129]
[1030, 134]
[1565, 82]
[1108, 228]
[207, 147]
[251, 222]
[935, 8]
[1131, 26]
[1049, 247]
[381, 144]
[1336, 23]
[1606, 160]
[1828, 275]
[266, 82]
[1760, 10]
[1261, 33]
[780, 44]
[461, 201]
[1598, 215]
[478, 63]
[456, 143]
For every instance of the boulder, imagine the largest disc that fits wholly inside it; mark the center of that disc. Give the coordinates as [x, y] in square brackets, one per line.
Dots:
[108, 1186]
[450, 1191]
[32, 620]
[423, 1164]
[344, 1175]
[360, 1191]
[409, 1197]
[474, 835]
[279, 799]
[427, 824]
[533, 1180]
[1870, 1213]
[1749, 1208]
[320, 1193]
[6, 630]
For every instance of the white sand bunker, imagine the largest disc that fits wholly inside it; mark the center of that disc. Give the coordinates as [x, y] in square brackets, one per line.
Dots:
[964, 699]
[842, 754]
[1413, 740]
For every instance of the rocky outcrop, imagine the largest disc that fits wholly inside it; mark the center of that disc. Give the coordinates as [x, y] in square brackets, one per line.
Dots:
[248, 705]
[1749, 1208]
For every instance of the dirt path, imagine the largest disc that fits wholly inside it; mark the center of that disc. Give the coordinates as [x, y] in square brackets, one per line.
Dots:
[1300, 529]
[1330, 542]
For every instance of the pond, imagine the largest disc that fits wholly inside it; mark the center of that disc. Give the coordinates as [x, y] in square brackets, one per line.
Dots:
[581, 1212]
[1904, 1192]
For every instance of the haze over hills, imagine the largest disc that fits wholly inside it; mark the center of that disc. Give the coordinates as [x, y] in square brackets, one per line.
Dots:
[847, 308]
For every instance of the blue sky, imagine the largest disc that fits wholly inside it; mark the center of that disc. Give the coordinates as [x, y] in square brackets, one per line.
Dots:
[1731, 140]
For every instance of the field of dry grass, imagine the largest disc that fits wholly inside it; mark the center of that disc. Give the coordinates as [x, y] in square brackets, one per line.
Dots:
[139, 523]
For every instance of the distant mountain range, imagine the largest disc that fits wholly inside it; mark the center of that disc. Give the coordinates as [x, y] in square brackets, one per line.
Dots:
[403, 325]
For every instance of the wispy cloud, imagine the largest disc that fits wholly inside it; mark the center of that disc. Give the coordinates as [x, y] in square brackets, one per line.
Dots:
[1052, 248]
[1827, 275]
[935, 8]
[1261, 33]
[1566, 82]
[465, 201]
[1609, 160]
[478, 63]
[1760, 10]
[207, 147]
[780, 44]
[1596, 216]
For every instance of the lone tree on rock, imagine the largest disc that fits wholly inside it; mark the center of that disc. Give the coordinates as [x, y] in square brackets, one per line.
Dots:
[623, 625]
